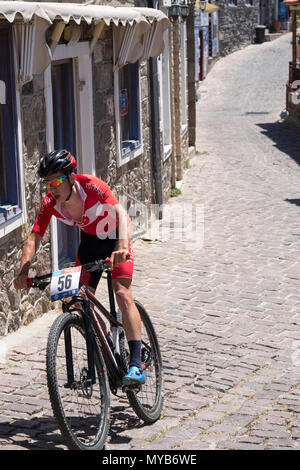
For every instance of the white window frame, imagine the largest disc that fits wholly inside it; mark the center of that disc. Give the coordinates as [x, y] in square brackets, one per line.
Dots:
[85, 153]
[184, 91]
[20, 219]
[82, 72]
[165, 97]
[122, 160]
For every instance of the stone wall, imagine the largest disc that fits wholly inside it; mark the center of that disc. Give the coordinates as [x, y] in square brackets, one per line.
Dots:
[134, 177]
[180, 140]
[237, 24]
[19, 308]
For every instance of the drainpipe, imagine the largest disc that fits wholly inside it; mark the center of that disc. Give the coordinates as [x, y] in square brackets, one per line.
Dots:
[155, 126]
[191, 77]
[294, 36]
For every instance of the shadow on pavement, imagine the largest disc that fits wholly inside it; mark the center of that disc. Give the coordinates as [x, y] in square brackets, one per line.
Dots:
[293, 201]
[285, 135]
[42, 433]
[36, 433]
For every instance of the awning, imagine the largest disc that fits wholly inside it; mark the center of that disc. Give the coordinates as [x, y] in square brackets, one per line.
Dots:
[291, 2]
[293, 5]
[77, 12]
[127, 39]
[209, 7]
[32, 19]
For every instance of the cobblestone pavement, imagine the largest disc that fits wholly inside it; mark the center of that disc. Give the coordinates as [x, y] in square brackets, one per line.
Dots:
[227, 311]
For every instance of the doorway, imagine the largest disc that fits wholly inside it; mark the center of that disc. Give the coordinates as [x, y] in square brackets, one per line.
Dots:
[64, 135]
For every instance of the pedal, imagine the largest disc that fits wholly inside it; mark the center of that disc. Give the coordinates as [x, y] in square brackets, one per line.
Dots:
[131, 387]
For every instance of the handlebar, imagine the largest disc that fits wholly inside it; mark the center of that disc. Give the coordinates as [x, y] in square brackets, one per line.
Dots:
[41, 281]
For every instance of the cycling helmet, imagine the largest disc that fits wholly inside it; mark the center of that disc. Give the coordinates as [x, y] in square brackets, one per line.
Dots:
[57, 160]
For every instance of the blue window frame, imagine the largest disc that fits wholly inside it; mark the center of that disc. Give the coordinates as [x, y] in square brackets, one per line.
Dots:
[10, 197]
[129, 108]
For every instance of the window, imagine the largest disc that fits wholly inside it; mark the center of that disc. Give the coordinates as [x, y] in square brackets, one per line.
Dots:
[128, 112]
[69, 123]
[165, 99]
[10, 198]
[184, 103]
[129, 108]
[63, 106]
[64, 137]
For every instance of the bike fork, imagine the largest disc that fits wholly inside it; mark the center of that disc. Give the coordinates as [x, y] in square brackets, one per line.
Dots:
[90, 350]
[90, 377]
[69, 358]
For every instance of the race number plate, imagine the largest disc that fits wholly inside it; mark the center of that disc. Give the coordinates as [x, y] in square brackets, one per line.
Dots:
[65, 283]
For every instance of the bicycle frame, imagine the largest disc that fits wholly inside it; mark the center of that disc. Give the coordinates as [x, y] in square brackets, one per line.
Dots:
[88, 301]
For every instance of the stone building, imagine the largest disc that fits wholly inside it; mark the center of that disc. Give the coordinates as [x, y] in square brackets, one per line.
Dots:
[93, 85]
[237, 21]
[274, 14]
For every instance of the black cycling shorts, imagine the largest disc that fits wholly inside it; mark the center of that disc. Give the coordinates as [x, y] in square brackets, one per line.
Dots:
[92, 248]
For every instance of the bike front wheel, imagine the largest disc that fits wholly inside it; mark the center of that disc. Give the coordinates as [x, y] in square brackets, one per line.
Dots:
[147, 402]
[80, 407]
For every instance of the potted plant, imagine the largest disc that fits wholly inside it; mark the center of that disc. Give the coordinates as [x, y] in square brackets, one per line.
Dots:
[276, 26]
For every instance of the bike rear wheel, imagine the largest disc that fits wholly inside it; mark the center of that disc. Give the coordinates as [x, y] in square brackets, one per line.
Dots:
[147, 402]
[81, 409]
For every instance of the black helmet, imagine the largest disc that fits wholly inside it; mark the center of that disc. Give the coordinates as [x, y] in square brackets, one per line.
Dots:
[57, 160]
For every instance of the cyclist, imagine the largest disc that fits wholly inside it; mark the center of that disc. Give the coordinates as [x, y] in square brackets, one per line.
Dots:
[87, 202]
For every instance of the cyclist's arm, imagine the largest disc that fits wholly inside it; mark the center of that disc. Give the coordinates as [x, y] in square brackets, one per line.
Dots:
[30, 248]
[121, 218]
[124, 228]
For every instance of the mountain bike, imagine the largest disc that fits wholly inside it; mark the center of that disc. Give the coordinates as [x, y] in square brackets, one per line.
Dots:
[83, 367]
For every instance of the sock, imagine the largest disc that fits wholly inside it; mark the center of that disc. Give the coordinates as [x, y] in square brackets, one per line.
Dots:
[135, 347]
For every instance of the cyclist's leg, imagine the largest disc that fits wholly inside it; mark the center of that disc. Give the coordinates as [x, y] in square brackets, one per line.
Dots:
[122, 279]
[132, 326]
[130, 314]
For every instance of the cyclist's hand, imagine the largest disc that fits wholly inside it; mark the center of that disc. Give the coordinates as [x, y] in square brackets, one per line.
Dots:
[118, 257]
[21, 282]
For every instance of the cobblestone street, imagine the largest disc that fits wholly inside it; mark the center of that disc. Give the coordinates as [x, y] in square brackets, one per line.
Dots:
[227, 311]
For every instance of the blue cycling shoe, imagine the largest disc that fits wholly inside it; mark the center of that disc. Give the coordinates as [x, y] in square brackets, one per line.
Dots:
[135, 376]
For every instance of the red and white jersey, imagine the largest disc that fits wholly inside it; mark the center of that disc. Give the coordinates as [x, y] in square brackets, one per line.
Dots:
[97, 218]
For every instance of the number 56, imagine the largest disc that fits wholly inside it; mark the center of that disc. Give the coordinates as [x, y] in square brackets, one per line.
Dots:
[64, 282]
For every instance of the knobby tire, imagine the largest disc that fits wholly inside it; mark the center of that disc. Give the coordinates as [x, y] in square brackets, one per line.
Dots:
[148, 402]
[77, 438]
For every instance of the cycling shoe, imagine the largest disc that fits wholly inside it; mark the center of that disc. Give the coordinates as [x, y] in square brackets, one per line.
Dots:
[135, 376]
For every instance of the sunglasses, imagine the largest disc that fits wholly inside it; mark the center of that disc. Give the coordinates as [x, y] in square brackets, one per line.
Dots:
[55, 182]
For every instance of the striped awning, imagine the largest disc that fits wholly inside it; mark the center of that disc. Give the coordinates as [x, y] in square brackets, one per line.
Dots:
[78, 12]
[31, 20]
